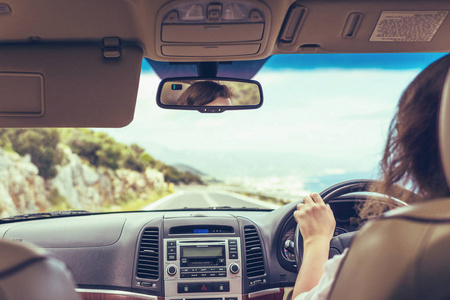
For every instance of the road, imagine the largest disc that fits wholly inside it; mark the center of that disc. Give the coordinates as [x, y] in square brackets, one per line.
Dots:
[206, 198]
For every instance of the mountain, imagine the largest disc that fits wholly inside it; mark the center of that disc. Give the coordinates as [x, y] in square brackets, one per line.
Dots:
[203, 176]
[228, 164]
[186, 168]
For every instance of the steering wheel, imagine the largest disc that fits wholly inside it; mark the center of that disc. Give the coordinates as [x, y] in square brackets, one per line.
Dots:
[342, 241]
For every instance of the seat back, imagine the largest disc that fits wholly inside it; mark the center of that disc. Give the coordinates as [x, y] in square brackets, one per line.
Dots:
[444, 128]
[404, 255]
[29, 273]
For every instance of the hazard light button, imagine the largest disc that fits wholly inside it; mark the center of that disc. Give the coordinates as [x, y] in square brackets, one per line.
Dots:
[195, 287]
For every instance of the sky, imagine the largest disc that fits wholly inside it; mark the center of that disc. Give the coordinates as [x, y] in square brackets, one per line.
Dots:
[320, 116]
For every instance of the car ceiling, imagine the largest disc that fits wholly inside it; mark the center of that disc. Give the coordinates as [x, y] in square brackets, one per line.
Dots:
[136, 21]
[80, 60]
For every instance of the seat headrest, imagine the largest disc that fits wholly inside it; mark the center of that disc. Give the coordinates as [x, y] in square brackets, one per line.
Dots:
[437, 210]
[17, 254]
[444, 128]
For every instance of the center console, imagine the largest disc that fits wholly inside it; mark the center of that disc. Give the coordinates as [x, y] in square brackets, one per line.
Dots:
[202, 262]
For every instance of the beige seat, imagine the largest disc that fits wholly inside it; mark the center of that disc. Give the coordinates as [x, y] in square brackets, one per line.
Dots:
[28, 273]
[406, 254]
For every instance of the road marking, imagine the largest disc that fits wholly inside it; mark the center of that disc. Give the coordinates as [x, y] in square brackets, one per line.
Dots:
[209, 199]
[162, 200]
[251, 200]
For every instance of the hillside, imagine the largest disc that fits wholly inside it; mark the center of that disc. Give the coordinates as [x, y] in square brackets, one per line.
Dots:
[58, 169]
[207, 179]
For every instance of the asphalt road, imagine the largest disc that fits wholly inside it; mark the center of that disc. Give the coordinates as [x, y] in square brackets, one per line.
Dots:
[204, 199]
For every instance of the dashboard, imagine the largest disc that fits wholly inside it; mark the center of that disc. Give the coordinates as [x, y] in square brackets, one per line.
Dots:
[220, 255]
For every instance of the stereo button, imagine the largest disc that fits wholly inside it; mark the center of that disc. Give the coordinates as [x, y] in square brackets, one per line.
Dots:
[234, 268]
[171, 257]
[171, 270]
[221, 286]
[184, 288]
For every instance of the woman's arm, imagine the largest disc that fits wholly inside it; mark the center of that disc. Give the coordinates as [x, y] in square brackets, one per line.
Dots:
[316, 222]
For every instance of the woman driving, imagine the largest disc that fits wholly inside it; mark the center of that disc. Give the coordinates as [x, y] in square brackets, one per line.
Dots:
[411, 158]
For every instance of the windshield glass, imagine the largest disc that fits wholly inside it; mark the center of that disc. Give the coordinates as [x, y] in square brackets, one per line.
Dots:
[324, 120]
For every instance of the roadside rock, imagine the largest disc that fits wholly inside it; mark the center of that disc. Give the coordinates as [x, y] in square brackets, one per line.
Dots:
[21, 188]
[77, 185]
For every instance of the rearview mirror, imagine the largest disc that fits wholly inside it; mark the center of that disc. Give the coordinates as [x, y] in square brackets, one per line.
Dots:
[211, 95]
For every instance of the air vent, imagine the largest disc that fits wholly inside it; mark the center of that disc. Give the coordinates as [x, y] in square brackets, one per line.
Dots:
[148, 261]
[253, 252]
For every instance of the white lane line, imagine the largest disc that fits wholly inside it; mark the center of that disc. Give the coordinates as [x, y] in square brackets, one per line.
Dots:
[251, 200]
[209, 199]
[162, 200]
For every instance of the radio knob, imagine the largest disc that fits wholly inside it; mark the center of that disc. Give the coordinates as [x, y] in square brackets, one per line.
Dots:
[171, 270]
[234, 268]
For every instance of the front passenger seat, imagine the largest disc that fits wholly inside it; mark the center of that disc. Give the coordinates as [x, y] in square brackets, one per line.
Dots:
[28, 273]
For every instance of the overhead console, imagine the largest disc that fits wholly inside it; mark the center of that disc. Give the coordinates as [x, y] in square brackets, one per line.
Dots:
[216, 29]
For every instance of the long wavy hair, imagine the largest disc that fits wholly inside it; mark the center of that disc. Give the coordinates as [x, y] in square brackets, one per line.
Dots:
[203, 93]
[411, 156]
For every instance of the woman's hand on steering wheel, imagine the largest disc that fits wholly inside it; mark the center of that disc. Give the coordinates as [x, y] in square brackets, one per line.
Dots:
[315, 220]
[304, 215]
[316, 223]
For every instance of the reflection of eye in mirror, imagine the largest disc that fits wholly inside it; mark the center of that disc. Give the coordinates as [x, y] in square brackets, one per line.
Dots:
[194, 92]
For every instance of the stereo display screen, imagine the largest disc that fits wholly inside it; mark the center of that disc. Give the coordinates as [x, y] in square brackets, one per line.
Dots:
[204, 252]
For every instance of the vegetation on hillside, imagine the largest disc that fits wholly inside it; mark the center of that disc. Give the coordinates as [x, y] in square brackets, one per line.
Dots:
[96, 148]
[40, 144]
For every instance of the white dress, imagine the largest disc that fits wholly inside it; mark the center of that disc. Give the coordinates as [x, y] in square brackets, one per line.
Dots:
[321, 290]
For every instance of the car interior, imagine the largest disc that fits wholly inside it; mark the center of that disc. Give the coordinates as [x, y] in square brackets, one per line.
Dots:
[77, 64]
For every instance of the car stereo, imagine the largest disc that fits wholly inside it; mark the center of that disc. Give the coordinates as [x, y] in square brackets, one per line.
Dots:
[202, 268]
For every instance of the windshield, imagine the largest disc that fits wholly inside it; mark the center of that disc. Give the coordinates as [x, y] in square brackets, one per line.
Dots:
[324, 120]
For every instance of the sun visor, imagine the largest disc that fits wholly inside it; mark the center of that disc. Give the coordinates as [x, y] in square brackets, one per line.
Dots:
[69, 84]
